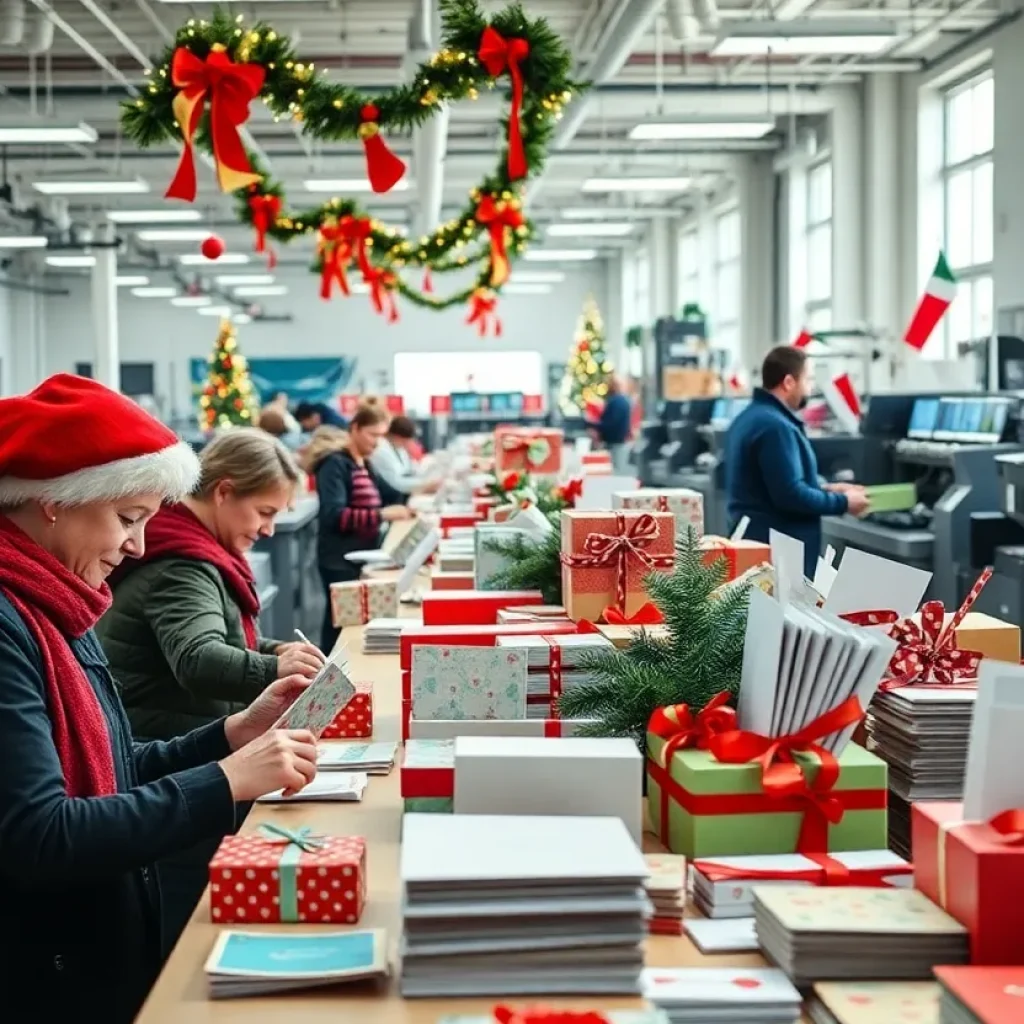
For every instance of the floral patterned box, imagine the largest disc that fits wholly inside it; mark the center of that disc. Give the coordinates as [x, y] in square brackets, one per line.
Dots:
[356, 602]
[355, 720]
[428, 770]
[686, 505]
[468, 682]
[288, 875]
[468, 636]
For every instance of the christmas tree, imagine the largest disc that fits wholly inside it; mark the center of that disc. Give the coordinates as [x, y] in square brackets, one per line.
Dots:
[228, 399]
[588, 369]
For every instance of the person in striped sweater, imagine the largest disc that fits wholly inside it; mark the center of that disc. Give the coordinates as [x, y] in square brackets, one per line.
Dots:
[355, 503]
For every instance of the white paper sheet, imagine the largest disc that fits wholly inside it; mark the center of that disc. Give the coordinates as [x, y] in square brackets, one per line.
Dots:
[866, 582]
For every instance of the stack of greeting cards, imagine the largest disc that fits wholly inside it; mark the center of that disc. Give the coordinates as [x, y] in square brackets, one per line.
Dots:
[372, 758]
[980, 995]
[731, 995]
[382, 636]
[875, 1002]
[520, 906]
[666, 889]
[852, 933]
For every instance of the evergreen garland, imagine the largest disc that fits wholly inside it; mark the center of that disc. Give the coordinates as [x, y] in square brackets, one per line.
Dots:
[532, 565]
[701, 655]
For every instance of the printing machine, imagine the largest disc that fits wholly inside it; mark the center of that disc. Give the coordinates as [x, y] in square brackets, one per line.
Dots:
[671, 445]
[947, 446]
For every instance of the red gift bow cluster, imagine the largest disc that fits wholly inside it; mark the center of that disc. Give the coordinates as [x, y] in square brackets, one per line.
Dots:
[629, 540]
[539, 1015]
[681, 728]
[513, 444]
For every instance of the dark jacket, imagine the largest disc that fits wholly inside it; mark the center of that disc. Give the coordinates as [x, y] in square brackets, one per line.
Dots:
[329, 416]
[78, 899]
[176, 646]
[771, 476]
[340, 533]
[615, 424]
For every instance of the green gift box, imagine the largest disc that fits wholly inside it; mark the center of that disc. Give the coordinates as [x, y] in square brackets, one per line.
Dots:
[429, 805]
[701, 807]
[892, 497]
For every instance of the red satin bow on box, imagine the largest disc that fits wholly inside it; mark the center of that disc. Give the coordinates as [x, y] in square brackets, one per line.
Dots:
[499, 217]
[506, 1015]
[570, 492]
[1009, 825]
[647, 614]
[681, 728]
[230, 88]
[498, 54]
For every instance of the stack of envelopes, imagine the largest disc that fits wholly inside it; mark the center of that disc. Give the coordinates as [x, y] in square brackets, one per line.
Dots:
[666, 889]
[521, 906]
[382, 636]
[875, 1002]
[723, 995]
[848, 933]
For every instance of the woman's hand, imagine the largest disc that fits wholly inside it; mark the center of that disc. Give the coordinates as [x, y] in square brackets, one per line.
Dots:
[282, 759]
[393, 512]
[299, 659]
[264, 711]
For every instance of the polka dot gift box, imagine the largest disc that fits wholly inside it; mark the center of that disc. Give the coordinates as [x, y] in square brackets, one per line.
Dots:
[279, 875]
[355, 720]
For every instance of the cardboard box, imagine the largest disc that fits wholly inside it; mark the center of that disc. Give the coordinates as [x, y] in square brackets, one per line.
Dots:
[546, 776]
[987, 635]
[620, 636]
[687, 506]
[701, 807]
[473, 607]
[739, 555]
[681, 382]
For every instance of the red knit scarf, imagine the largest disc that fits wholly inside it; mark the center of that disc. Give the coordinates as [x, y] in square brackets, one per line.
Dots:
[176, 532]
[55, 605]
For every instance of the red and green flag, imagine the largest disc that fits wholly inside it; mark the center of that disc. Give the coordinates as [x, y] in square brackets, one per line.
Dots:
[938, 297]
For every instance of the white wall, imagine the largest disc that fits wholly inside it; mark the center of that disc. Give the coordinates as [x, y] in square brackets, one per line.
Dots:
[5, 341]
[152, 330]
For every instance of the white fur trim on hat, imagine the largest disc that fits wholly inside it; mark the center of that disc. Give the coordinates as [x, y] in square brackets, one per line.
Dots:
[172, 473]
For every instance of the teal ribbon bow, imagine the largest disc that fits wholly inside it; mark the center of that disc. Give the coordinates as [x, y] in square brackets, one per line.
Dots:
[294, 842]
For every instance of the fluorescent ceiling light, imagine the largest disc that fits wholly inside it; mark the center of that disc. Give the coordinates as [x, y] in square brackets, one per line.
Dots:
[23, 242]
[155, 293]
[676, 184]
[241, 318]
[610, 229]
[71, 261]
[191, 300]
[193, 259]
[173, 235]
[252, 291]
[526, 289]
[345, 185]
[232, 279]
[29, 132]
[169, 216]
[705, 129]
[537, 276]
[101, 187]
[131, 280]
[558, 255]
[214, 311]
[806, 37]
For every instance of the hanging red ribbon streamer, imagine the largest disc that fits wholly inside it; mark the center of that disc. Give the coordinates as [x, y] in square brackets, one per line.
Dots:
[428, 282]
[483, 306]
[355, 232]
[383, 168]
[265, 210]
[334, 255]
[498, 55]
[499, 216]
[231, 88]
[681, 728]
[382, 283]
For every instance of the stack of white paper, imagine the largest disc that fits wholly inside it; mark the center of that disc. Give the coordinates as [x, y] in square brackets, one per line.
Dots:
[520, 906]
[456, 554]
[382, 636]
[731, 995]
[331, 787]
[371, 758]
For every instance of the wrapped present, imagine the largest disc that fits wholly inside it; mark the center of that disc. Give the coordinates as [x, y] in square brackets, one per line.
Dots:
[355, 602]
[449, 729]
[451, 522]
[452, 581]
[974, 870]
[468, 682]
[537, 451]
[596, 460]
[473, 607]
[355, 720]
[533, 613]
[686, 505]
[469, 636]
[606, 556]
[620, 635]
[482, 506]
[428, 771]
[282, 875]
[990, 637]
[739, 555]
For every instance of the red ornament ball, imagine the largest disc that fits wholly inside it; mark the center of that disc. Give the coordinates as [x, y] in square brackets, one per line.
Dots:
[212, 247]
[584, 346]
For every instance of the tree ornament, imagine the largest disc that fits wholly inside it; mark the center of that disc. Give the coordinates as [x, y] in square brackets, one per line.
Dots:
[483, 312]
[383, 168]
[212, 247]
[265, 210]
[499, 217]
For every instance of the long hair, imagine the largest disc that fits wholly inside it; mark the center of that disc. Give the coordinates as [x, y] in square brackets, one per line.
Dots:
[324, 442]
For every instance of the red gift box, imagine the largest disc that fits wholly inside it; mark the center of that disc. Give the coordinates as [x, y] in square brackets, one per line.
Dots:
[279, 875]
[992, 995]
[739, 555]
[975, 872]
[452, 581]
[475, 607]
[355, 720]
[537, 451]
[449, 522]
[470, 636]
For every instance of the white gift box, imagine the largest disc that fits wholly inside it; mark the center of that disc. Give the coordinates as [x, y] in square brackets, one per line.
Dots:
[685, 504]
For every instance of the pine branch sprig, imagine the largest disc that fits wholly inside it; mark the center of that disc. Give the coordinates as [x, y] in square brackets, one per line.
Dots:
[532, 564]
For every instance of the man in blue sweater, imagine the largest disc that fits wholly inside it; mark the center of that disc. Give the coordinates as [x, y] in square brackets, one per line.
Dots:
[615, 426]
[771, 472]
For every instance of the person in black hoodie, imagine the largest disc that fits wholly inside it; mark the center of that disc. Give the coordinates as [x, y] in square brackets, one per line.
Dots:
[354, 503]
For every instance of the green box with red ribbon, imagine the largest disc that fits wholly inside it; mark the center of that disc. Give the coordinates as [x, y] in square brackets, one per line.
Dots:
[702, 807]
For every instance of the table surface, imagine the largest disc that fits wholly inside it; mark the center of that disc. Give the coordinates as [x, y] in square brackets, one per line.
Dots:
[180, 993]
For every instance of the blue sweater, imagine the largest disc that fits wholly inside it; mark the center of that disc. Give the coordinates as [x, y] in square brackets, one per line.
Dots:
[771, 475]
[614, 425]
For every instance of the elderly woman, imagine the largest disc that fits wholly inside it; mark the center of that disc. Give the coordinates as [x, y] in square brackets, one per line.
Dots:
[84, 811]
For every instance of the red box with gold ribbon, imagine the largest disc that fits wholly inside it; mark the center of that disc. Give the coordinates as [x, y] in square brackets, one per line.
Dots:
[714, 790]
[974, 870]
[537, 451]
[606, 556]
[355, 720]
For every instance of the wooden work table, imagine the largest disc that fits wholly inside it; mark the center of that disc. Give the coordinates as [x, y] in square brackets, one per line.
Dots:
[179, 996]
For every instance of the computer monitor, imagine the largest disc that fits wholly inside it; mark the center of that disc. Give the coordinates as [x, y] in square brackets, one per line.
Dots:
[947, 419]
[923, 418]
[466, 402]
[992, 421]
[506, 402]
[720, 412]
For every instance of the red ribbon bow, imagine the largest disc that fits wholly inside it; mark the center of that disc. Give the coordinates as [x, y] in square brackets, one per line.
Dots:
[356, 232]
[647, 614]
[498, 54]
[506, 1015]
[572, 491]
[265, 209]
[511, 481]
[629, 540]
[826, 871]
[875, 617]
[1009, 825]
[681, 728]
[231, 88]
[382, 283]
[335, 253]
[927, 653]
[499, 216]
[483, 311]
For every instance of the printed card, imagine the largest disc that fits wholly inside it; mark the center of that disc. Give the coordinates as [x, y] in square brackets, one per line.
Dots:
[668, 872]
[458, 683]
[321, 701]
[722, 935]
[872, 1002]
[717, 986]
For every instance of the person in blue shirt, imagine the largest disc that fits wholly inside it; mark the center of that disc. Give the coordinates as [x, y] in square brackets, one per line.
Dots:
[771, 472]
[615, 425]
[318, 414]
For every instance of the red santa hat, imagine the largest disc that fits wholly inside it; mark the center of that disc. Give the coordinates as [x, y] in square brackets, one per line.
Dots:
[73, 441]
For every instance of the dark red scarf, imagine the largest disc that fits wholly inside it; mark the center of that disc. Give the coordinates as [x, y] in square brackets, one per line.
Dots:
[176, 532]
[55, 605]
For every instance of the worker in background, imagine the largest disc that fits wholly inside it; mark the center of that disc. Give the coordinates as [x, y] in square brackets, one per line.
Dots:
[771, 472]
[392, 459]
[614, 427]
[318, 414]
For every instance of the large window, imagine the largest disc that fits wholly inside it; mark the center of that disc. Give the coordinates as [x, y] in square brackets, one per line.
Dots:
[968, 126]
[689, 267]
[818, 311]
[725, 316]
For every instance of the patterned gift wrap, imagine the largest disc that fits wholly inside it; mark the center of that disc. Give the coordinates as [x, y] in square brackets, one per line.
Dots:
[279, 875]
[606, 556]
[468, 682]
[356, 602]
[535, 451]
[355, 720]
[686, 505]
